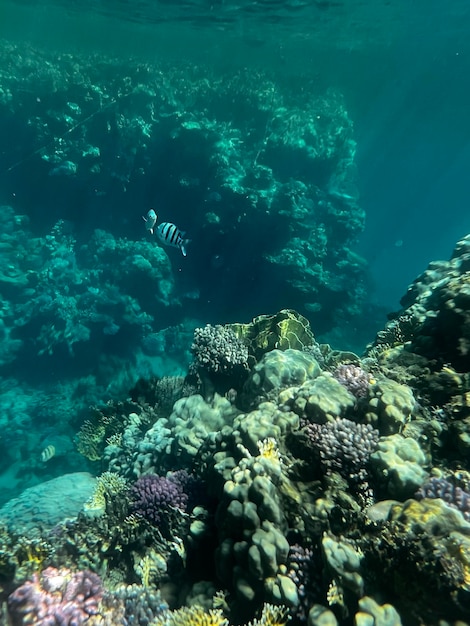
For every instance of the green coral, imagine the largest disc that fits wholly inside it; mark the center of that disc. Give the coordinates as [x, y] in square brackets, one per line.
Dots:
[283, 330]
[109, 487]
[373, 614]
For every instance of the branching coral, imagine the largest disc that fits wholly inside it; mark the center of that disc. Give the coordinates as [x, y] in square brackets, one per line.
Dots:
[354, 378]
[345, 447]
[271, 615]
[159, 499]
[218, 350]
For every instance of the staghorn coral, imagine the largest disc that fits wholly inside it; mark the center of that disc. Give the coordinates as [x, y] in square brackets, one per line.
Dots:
[345, 447]
[56, 597]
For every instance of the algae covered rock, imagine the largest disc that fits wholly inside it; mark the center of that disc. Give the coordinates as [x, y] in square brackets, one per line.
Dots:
[399, 466]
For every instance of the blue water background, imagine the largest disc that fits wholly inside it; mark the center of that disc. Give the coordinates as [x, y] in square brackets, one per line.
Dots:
[404, 73]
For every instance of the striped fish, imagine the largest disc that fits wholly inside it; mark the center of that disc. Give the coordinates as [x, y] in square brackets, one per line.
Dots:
[171, 235]
[48, 453]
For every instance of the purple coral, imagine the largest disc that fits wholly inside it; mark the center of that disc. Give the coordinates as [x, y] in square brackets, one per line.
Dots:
[354, 378]
[454, 496]
[304, 569]
[344, 446]
[56, 597]
[156, 498]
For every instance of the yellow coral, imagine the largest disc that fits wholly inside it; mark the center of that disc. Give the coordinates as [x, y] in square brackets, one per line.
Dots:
[268, 450]
[272, 615]
[151, 568]
[32, 553]
[192, 616]
[107, 485]
[334, 594]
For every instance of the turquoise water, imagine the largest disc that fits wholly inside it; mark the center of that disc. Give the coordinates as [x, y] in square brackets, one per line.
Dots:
[313, 158]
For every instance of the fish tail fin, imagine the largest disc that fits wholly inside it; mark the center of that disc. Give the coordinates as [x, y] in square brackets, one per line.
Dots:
[183, 245]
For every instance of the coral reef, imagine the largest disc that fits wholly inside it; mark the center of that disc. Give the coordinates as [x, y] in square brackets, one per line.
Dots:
[332, 486]
[285, 164]
[41, 507]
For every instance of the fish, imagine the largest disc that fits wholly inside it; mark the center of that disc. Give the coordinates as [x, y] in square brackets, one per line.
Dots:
[150, 221]
[48, 453]
[171, 235]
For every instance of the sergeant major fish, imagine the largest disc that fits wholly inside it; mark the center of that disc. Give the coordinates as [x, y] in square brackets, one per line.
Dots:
[171, 235]
[150, 221]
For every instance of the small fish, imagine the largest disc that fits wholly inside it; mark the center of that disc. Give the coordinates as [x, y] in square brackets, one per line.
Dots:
[48, 453]
[150, 221]
[171, 235]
